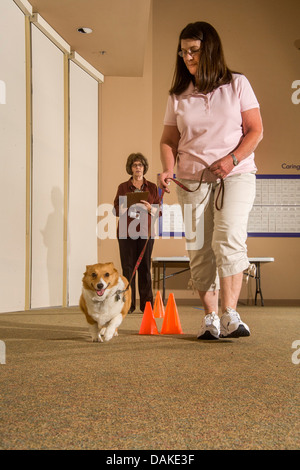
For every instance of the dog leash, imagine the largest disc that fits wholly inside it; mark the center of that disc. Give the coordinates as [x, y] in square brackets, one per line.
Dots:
[185, 188]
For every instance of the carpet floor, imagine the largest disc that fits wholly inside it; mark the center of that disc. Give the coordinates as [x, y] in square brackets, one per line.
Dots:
[58, 390]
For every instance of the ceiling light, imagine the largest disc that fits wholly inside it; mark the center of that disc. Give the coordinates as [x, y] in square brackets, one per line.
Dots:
[84, 30]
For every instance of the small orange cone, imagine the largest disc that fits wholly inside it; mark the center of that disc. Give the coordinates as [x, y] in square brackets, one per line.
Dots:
[148, 325]
[171, 324]
[158, 309]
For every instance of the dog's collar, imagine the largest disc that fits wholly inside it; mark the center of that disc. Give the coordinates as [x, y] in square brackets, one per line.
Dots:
[119, 295]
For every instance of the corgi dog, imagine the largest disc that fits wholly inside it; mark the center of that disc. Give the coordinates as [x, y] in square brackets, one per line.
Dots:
[104, 300]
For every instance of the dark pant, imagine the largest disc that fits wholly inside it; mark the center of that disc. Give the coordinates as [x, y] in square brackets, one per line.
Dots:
[130, 251]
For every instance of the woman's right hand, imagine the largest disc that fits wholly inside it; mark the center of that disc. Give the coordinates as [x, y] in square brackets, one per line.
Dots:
[162, 180]
[168, 152]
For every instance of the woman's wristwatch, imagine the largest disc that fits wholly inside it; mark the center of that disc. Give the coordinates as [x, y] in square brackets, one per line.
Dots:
[235, 160]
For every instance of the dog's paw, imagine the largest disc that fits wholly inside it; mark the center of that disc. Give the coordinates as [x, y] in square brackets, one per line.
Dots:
[97, 340]
[94, 333]
[108, 334]
[102, 331]
[100, 340]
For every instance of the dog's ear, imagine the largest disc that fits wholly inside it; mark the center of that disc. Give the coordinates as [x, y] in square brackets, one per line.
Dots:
[114, 270]
[111, 266]
[86, 270]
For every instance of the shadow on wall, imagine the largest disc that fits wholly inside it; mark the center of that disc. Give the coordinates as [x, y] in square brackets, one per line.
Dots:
[54, 246]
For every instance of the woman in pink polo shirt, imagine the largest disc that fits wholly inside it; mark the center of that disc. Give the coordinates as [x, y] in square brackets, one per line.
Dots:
[212, 126]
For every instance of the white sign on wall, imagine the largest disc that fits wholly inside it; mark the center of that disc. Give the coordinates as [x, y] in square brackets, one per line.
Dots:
[2, 92]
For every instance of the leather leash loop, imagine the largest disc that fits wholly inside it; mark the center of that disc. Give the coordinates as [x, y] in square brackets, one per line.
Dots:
[220, 191]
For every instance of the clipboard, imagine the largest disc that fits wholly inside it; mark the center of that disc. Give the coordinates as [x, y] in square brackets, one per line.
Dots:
[136, 197]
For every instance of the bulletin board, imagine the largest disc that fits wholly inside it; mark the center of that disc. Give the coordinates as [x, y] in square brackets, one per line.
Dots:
[275, 213]
[276, 209]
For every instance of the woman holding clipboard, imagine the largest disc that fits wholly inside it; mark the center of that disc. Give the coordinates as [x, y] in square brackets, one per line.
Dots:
[133, 205]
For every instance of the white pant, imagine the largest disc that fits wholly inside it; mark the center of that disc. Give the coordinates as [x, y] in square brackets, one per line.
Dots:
[224, 251]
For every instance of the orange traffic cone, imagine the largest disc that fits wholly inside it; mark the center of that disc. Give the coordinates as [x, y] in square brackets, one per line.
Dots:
[171, 324]
[158, 309]
[148, 325]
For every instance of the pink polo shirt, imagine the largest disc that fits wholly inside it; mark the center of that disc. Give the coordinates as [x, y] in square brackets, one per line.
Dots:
[210, 126]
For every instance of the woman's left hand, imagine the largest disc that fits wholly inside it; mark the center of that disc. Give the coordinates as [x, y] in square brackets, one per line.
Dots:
[148, 206]
[221, 168]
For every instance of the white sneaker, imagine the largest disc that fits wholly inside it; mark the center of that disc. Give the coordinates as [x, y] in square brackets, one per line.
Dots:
[232, 325]
[210, 328]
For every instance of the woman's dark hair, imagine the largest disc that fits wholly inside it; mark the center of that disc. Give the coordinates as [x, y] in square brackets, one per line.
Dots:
[136, 157]
[212, 69]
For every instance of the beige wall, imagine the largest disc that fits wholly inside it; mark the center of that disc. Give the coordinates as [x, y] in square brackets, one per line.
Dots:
[125, 127]
[258, 39]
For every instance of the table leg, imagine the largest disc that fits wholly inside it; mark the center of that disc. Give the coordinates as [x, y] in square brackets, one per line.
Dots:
[164, 282]
[258, 285]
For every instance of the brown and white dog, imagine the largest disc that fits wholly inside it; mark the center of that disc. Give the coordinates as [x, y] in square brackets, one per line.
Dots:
[103, 300]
